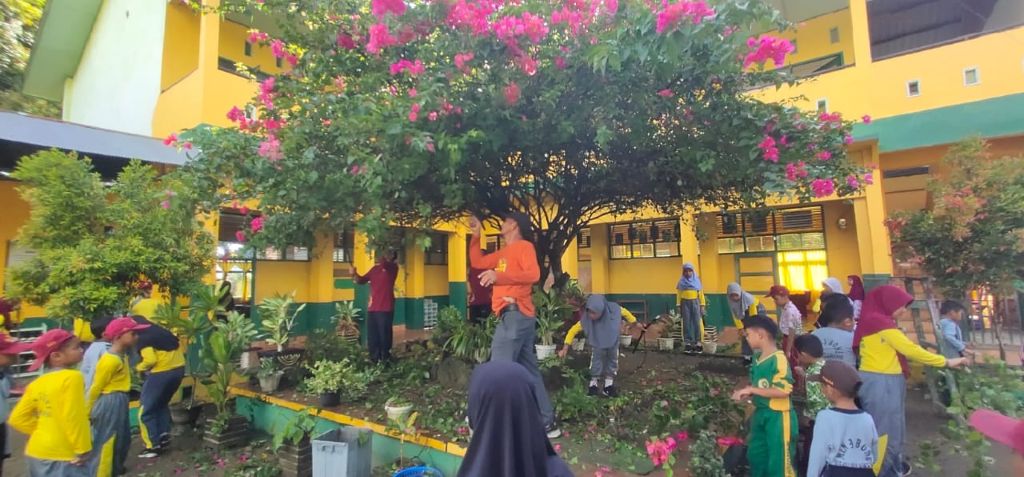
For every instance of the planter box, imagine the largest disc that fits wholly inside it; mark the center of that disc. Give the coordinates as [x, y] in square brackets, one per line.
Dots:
[235, 434]
[296, 460]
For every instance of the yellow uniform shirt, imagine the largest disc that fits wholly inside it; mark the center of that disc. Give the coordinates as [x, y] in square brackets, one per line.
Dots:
[878, 353]
[738, 321]
[145, 307]
[156, 361]
[692, 295]
[82, 331]
[575, 330]
[52, 412]
[113, 375]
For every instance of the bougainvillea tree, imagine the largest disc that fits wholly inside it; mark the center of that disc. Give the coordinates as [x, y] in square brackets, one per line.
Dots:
[412, 112]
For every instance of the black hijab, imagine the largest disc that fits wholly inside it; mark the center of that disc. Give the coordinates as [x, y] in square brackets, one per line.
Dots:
[156, 336]
[508, 437]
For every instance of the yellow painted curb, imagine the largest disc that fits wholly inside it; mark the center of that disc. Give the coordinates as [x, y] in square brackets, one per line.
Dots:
[346, 420]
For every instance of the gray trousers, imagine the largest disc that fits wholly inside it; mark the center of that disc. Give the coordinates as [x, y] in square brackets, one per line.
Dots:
[884, 397]
[604, 362]
[111, 435]
[690, 309]
[54, 468]
[513, 341]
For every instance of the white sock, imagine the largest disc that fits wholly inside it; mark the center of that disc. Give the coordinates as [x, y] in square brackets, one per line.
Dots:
[608, 382]
[593, 382]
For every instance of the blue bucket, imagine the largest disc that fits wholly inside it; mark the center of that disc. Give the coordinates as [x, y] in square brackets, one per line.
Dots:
[421, 471]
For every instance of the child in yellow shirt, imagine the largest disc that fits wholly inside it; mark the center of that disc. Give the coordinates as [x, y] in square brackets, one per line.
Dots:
[108, 400]
[52, 411]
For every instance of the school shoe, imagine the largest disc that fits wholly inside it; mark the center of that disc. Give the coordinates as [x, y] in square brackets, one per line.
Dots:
[149, 454]
[594, 391]
[610, 391]
[747, 360]
[553, 431]
[698, 348]
[906, 469]
[165, 440]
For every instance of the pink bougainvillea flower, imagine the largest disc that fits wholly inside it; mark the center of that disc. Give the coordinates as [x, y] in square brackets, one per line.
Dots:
[666, 93]
[784, 140]
[560, 62]
[165, 204]
[847, 139]
[602, 471]
[380, 8]
[256, 36]
[852, 182]
[239, 236]
[869, 178]
[432, 116]
[461, 59]
[235, 115]
[412, 92]
[682, 436]
[768, 149]
[473, 16]
[187, 146]
[673, 13]
[528, 65]
[291, 59]
[171, 139]
[277, 48]
[266, 93]
[729, 30]
[824, 155]
[243, 210]
[823, 187]
[430, 147]
[414, 68]
[346, 41]
[659, 450]
[256, 224]
[339, 83]
[558, 448]
[511, 94]
[380, 38]
[726, 441]
[270, 148]
[767, 47]
[796, 171]
[866, 119]
[414, 112]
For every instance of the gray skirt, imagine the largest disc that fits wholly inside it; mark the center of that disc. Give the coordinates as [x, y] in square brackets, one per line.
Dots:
[111, 435]
[884, 397]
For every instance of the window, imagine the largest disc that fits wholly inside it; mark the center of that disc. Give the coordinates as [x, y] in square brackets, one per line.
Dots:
[770, 230]
[290, 252]
[248, 48]
[833, 35]
[804, 241]
[230, 248]
[913, 88]
[971, 76]
[492, 243]
[437, 252]
[802, 270]
[344, 246]
[823, 105]
[648, 239]
[583, 245]
[795, 47]
[277, 62]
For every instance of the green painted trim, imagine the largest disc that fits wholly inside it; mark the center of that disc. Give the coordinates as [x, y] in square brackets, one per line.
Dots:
[995, 117]
[718, 314]
[362, 300]
[458, 296]
[873, 280]
[269, 418]
[63, 33]
[344, 284]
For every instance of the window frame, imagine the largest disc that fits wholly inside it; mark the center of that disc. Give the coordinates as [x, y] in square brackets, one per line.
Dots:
[632, 243]
[431, 251]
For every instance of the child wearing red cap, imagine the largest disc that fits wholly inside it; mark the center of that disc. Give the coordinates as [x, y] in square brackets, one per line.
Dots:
[52, 411]
[108, 400]
[9, 351]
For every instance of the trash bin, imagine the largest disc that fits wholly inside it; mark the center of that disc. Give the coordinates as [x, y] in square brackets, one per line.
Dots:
[344, 452]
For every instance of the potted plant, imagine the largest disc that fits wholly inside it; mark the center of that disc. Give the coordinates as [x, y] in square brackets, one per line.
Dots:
[710, 340]
[625, 340]
[465, 340]
[551, 311]
[276, 321]
[579, 344]
[347, 315]
[220, 356]
[326, 381]
[398, 409]
[291, 443]
[269, 375]
[674, 322]
[191, 329]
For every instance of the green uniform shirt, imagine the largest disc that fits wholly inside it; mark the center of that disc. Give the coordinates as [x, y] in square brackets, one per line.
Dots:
[816, 400]
[771, 371]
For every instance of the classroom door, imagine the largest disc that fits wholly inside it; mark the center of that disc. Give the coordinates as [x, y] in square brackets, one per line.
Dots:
[756, 273]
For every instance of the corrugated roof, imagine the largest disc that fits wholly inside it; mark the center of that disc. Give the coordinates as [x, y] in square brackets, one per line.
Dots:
[47, 133]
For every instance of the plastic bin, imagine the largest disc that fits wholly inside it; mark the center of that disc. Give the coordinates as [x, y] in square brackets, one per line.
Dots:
[344, 452]
[421, 471]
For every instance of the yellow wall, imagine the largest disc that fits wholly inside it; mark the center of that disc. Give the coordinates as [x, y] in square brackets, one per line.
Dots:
[282, 277]
[643, 275]
[233, 37]
[181, 44]
[813, 41]
[841, 245]
[15, 214]
[435, 280]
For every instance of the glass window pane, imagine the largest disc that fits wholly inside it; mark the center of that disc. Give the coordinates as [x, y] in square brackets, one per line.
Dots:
[666, 249]
[298, 253]
[621, 251]
[643, 251]
[730, 245]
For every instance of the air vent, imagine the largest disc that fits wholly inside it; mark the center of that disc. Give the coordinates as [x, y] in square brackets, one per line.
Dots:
[906, 172]
[913, 88]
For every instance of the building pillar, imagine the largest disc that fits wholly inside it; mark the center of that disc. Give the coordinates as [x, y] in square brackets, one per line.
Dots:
[415, 287]
[872, 234]
[209, 38]
[599, 276]
[320, 307]
[571, 260]
[362, 261]
[458, 258]
[861, 32]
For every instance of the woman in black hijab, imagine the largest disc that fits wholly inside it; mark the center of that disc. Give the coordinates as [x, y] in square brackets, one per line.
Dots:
[508, 437]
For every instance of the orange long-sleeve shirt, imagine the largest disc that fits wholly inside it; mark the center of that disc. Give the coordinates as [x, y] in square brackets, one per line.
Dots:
[517, 268]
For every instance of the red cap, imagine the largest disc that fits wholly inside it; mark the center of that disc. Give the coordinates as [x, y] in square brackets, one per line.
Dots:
[11, 347]
[120, 326]
[49, 342]
[1000, 428]
[777, 290]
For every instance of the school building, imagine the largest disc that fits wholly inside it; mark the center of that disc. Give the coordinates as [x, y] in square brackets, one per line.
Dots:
[928, 72]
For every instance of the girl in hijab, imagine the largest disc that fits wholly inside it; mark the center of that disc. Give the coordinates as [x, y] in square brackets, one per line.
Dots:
[856, 294]
[884, 351]
[830, 287]
[691, 307]
[508, 436]
[743, 305]
[602, 324]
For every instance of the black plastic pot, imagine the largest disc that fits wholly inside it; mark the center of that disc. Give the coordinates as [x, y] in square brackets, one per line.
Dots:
[182, 414]
[330, 399]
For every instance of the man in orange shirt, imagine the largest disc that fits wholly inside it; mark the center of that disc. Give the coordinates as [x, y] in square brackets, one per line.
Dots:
[512, 271]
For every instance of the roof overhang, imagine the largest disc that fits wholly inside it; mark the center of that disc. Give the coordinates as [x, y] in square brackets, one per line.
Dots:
[64, 30]
[800, 10]
[21, 134]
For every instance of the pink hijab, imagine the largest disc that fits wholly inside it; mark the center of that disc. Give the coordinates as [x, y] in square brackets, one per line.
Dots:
[856, 288]
[876, 316]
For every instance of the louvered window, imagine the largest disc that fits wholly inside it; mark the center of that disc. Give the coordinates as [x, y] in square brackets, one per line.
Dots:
[645, 239]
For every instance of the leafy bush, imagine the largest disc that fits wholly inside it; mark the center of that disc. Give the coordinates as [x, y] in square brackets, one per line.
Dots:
[704, 458]
[277, 318]
[341, 377]
[466, 341]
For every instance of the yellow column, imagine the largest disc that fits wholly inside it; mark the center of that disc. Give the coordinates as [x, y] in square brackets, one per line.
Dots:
[861, 32]
[599, 277]
[211, 224]
[321, 270]
[688, 245]
[570, 260]
[872, 234]
[209, 38]
[457, 268]
[415, 286]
